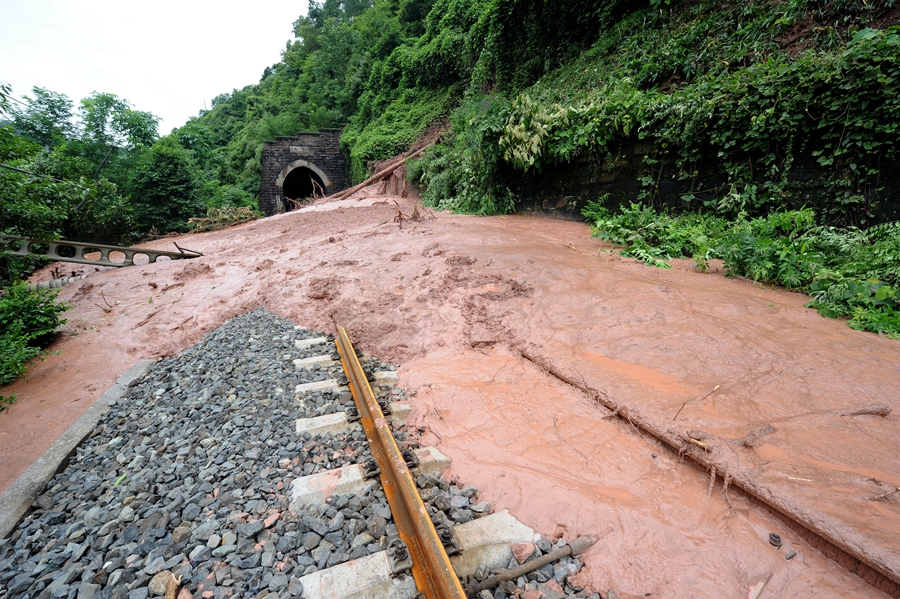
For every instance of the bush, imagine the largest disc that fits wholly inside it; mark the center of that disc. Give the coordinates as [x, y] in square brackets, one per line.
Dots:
[27, 320]
[848, 272]
[221, 217]
[462, 174]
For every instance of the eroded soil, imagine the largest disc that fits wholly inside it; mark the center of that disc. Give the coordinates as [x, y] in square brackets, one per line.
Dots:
[770, 387]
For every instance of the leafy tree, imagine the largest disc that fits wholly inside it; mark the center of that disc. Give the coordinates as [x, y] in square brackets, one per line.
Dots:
[47, 119]
[166, 188]
[111, 121]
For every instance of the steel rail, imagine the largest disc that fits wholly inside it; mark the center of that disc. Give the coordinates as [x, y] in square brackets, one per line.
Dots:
[431, 567]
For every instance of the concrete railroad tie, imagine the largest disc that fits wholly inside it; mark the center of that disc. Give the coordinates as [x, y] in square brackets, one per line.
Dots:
[382, 378]
[315, 489]
[484, 541]
[337, 422]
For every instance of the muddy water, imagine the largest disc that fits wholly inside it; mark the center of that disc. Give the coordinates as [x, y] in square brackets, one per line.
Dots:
[455, 299]
[563, 465]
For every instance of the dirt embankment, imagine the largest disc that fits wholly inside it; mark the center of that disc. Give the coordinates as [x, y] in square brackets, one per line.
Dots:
[765, 384]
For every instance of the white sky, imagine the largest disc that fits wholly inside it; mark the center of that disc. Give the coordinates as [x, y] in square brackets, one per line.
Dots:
[164, 56]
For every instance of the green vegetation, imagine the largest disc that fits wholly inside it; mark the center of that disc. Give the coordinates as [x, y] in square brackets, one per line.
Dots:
[730, 99]
[166, 187]
[847, 271]
[391, 69]
[219, 217]
[27, 320]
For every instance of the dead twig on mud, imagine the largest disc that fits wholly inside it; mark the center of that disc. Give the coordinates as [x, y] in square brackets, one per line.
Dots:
[701, 398]
[885, 495]
[572, 247]
[146, 320]
[559, 436]
[108, 307]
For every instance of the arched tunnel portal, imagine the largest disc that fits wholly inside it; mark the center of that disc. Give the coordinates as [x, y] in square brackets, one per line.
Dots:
[300, 180]
[300, 167]
[303, 183]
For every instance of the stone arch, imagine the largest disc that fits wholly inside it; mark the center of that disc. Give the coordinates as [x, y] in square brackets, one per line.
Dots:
[279, 180]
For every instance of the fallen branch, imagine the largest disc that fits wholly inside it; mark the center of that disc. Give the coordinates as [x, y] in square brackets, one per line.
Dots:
[843, 540]
[885, 495]
[186, 251]
[378, 176]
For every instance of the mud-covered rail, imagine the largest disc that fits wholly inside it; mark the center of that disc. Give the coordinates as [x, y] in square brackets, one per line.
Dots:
[431, 566]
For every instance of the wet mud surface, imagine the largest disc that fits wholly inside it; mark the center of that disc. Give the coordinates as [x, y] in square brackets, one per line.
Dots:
[772, 389]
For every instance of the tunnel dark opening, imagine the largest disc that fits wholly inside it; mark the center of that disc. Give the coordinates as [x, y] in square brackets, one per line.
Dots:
[298, 185]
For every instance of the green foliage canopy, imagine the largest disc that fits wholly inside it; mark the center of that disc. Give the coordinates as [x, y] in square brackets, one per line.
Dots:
[166, 189]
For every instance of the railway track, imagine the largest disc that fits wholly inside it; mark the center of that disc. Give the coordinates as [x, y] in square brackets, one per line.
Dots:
[200, 481]
[273, 461]
[421, 545]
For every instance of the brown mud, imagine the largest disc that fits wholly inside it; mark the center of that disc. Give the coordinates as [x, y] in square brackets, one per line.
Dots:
[770, 392]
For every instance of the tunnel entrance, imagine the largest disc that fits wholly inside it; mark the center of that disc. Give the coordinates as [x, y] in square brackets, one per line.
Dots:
[302, 183]
[299, 167]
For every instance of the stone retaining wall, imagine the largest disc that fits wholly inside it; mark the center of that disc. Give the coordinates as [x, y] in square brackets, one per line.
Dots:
[563, 191]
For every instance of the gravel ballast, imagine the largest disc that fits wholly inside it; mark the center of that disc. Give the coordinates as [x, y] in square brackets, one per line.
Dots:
[189, 476]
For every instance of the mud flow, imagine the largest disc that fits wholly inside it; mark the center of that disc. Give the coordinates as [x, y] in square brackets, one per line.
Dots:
[514, 334]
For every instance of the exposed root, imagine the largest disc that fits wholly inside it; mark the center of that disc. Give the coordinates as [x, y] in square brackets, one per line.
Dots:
[416, 215]
[712, 482]
[726, 497]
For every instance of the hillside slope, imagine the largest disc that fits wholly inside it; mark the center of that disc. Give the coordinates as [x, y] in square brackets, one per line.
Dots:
[748, 91]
